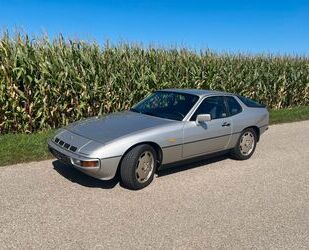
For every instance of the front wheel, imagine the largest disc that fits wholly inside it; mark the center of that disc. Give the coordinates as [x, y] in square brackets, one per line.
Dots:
[138, 167]
[245, 146]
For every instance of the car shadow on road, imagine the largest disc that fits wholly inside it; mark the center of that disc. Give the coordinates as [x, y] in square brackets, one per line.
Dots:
[192, 163]
[76, 176]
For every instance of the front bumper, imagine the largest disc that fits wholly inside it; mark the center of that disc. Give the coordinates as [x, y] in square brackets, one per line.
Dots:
[105, 171]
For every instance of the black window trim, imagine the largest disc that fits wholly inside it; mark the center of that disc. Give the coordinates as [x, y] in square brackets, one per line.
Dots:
[259, 105]
[175, 92]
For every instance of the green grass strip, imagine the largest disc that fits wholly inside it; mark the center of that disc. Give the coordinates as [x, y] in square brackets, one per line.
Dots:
[17, 148]
[289, 115]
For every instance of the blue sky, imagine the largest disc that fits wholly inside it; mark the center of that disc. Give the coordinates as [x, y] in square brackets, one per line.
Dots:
[225, 26]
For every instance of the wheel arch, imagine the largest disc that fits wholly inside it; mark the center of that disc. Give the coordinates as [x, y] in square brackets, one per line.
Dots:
[154, 145]
[257, 131]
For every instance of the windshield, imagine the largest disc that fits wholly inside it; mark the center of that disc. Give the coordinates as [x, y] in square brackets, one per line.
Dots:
[165, 104]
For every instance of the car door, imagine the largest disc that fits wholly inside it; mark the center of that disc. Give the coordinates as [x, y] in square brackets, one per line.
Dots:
[211, 136]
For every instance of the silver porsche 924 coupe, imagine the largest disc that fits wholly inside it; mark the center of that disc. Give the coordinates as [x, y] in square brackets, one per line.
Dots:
[166, 127]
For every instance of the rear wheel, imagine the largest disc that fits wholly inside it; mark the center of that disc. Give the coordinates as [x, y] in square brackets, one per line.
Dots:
[245, 146]
[138, 167]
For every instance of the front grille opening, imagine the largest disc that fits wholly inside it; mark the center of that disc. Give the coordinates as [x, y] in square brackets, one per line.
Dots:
[65, 145]
[60, 156]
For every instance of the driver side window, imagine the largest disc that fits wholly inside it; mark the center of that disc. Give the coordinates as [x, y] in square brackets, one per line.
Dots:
[214, 106]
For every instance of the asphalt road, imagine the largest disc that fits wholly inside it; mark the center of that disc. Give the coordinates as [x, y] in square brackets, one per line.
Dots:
[220, 203]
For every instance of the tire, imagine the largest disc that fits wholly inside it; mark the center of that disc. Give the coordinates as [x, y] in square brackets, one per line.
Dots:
[239, 152]
[138, 166]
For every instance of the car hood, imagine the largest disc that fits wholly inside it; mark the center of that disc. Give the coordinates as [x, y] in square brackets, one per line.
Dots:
[110, 127]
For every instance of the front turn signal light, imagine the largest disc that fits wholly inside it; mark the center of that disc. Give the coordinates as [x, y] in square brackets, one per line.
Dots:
[89, 163]
[86, 164]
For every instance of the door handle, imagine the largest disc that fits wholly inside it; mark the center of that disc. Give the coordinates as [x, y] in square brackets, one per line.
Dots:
[226, 124]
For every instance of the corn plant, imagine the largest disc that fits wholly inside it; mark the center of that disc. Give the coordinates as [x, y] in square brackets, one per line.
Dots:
[48, 83]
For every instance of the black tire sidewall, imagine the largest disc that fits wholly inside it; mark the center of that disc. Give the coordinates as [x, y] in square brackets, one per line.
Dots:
[129, 164]
[236, 151]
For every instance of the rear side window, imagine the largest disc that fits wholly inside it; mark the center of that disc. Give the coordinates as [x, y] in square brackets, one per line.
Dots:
[250, 103]
[233, 105]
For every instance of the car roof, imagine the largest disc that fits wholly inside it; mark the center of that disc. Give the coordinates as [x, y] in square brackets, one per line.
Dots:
[198, 92]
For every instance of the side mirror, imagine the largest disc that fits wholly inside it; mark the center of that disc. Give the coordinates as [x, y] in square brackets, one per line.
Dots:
[203, 118]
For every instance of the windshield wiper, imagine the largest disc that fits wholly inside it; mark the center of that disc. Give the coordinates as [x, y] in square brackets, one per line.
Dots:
[145, 113]
[149, 113]
[134, 110]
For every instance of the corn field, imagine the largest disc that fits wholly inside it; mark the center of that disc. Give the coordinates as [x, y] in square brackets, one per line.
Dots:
[47, 84]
